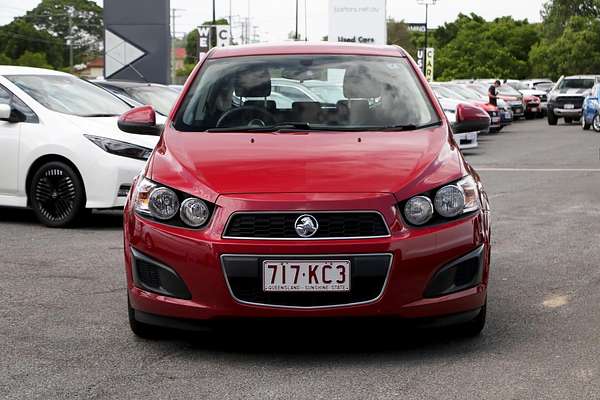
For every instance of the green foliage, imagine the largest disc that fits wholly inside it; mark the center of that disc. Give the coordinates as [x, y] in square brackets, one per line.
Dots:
[185, 71]
[398, 34]
[21, 36]
[29, 59]
[471, 47]
[575, 51]
[557, 13]
[5, 60]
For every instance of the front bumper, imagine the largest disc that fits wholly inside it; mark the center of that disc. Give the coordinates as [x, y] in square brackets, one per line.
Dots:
[572, 113]
[416, 256]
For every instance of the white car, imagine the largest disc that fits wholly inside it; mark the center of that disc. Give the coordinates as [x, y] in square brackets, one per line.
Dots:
[465, 140]
[62, 151]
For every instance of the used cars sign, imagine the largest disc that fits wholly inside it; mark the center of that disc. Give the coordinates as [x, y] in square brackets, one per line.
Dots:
[358, 21]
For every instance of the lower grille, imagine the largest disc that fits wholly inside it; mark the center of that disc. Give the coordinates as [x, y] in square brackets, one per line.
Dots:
[577, 101]
[256, 225]
[367, 280]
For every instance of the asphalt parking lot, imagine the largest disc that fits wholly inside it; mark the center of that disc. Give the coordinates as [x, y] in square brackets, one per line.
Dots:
[64, 332]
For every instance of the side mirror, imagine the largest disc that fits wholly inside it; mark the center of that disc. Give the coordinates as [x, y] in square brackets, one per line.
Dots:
[140, 121]
[5, 112]
[9, 114]
[470, 119]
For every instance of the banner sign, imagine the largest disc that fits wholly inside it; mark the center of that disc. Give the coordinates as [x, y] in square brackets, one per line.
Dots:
[427, 69]
[358, 21]
[416, 27]
[205, 37]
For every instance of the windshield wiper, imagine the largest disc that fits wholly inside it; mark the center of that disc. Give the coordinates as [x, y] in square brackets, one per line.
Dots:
[269, 128]
[410, 127]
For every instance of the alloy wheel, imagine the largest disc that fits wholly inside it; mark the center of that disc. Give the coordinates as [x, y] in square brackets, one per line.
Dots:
[55, 194]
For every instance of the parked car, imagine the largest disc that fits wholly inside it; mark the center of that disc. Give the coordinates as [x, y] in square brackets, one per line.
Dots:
[591, 110]
[545, 85]
[533, 107]
[506, 114]
[454, 91]
[566, 99]
[63, 153]
[161, 97]
[365, 209]
[465, 133]
[514, 99]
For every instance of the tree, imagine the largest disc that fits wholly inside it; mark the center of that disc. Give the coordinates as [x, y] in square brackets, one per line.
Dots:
[21, 36]
[30, 59]
[398, 34]
[476, 48]
[575, 51]
[557, 13]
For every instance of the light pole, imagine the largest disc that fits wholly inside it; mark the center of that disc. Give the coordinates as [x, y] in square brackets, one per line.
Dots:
[426, 3]
[296, 35]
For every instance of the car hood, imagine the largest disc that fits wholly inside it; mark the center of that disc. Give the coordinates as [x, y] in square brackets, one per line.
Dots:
[107, 127]
[210, 164]
[571, 92]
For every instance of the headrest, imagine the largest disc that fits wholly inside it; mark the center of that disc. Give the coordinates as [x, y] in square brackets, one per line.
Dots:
[359, 83]
[255, 81]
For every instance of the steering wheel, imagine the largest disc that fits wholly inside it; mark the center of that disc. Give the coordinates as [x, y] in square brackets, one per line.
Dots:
[252, 114]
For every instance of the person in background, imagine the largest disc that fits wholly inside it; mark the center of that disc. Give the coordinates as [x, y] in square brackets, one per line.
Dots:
[493, 93]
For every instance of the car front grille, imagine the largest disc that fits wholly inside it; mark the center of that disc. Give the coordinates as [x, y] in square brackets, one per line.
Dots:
[281, 225]
[368, 276]
[577, 101]
[543, 98]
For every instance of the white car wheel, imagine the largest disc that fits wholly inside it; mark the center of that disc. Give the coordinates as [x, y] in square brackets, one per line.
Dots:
[596, 123]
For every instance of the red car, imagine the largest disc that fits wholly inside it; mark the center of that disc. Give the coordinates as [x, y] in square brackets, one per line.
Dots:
[362, 208]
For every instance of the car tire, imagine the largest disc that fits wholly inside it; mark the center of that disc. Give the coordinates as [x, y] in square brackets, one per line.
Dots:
[475, 326]
[552, 120]
[584, 125]
[568, 120]
[529, 116]
[141, 329]
[57, 195]
[596, 123]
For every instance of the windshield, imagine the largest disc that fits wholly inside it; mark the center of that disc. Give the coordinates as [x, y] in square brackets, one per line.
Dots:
[518, 85]
[447, 93]
[545, 86]
[508, 91]
[465, 92]
[576, 84]
[161, 98]
[70, 95]
[246, 93]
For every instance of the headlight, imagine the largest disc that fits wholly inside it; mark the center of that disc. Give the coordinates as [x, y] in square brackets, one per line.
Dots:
[418, 210]
[194, 212]
[163, 203]
[170, 206]
[451, 201]
[120, 148]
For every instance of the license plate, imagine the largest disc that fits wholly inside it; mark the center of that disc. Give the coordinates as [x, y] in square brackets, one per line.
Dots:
[306, 276]
[495, 119]
[518, 110]
[569, 106]
[534, 109]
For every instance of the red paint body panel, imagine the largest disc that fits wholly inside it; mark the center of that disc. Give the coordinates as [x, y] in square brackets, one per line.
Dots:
[315, 171]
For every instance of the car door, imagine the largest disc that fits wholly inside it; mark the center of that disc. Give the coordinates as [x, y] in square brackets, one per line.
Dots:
[10, 133]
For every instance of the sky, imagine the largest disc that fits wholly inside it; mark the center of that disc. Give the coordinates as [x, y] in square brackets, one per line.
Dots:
[274, 19]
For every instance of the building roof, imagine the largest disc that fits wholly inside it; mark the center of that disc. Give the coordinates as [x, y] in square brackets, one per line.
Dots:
[96, 63]
[180, 53]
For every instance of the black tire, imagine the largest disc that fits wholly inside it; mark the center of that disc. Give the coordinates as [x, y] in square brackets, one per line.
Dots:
[568, 120]
[529, 116]
[552, 120]
[475, 326]
[57, 195]
[584, 125]
[140, 329]
[596, 123]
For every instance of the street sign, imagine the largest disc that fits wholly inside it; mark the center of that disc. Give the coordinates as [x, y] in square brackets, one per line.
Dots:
[358, 21]
[205, 39]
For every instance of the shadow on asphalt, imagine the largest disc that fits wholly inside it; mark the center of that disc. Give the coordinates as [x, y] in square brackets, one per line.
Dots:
[313, 339]
[97, 220]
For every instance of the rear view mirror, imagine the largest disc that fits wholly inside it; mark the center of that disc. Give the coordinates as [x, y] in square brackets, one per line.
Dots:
[140, 121]
[4, 112]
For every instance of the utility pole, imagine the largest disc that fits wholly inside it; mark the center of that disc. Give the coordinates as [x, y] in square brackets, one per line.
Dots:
[70, 15]
[214, 14]
[296, 35]
[426, 3]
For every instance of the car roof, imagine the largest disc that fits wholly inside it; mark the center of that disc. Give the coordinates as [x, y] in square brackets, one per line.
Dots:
[16, 70]
[306, 48]
[582, 77]
[126, 84]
